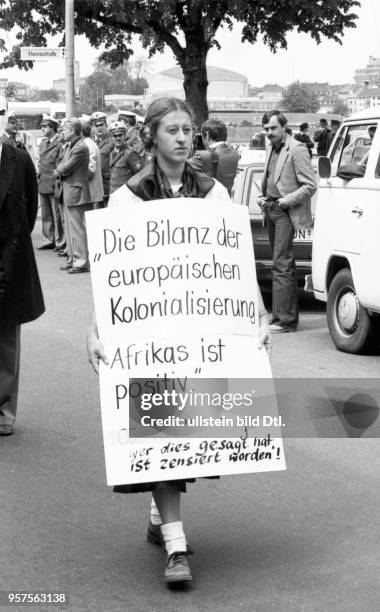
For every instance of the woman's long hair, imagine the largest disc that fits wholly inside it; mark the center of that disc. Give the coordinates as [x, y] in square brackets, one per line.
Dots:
[161, 107]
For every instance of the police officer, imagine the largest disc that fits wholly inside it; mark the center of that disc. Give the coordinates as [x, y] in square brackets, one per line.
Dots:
[133, 130]
[52, 223]
[124, 161]
[104, 141]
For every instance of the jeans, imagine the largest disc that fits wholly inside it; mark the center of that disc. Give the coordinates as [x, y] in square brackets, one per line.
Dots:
[284, 277]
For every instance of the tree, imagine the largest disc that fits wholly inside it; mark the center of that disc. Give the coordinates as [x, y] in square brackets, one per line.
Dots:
[341, 108]
[91, 99]
[104, 81]
[187, 27]
[300, 98]
[117, 81]
[44, 94]
[10, 91]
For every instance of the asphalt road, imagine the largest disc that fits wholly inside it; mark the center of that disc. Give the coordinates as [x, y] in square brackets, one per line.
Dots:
[302, 540]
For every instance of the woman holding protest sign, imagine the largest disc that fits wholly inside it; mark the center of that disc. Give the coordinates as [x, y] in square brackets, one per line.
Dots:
[168, 175]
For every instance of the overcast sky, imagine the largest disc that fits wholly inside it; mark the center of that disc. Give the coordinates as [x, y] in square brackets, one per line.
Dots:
[303, 60]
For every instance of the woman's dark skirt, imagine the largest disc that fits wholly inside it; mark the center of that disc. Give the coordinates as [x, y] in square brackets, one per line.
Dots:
[144, 487]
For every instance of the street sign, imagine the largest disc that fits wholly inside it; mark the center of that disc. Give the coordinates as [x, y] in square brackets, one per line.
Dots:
[36, 54]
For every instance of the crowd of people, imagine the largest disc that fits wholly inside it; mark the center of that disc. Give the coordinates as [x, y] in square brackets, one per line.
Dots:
[323, 136]
[85, 164]
[81, 162]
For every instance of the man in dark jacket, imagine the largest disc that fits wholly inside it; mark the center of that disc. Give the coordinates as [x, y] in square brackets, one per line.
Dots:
[21, 297]
[219, 160]
[321, 137]
[303, 136]
[10, 135]
[334, 124]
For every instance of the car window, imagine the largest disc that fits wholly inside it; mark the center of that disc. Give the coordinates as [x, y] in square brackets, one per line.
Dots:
[258, 141]
[237, 179]
[355, 150]
[254, 189]
[377, 169]
[335, 154]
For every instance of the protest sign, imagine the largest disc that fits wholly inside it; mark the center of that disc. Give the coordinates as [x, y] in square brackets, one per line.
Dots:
[175, 298]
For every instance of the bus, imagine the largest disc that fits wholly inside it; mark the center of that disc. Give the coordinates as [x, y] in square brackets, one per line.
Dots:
[29, 116]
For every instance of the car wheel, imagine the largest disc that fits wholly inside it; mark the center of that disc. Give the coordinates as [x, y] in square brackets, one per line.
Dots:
[349, 323]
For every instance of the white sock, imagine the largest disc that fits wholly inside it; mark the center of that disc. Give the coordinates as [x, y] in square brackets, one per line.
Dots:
[174, 537]
[155, 517]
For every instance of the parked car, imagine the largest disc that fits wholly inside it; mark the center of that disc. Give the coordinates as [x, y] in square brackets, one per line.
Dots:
[346, 243]
[246, 190]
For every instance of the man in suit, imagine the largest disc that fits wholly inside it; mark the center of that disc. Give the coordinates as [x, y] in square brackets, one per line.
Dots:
[75, 191]
[124, 161]
[10, 133]
[103, 139]
[95, 180]
[219, 160]
[52, 226]
[287, 186]
[21, 297]
[58, 187]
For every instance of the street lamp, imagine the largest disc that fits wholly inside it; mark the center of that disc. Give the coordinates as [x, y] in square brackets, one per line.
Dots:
[69, 58]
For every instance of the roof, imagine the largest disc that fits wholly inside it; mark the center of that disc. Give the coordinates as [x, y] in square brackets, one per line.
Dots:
[368, 93]
[271, 87]
[213, 74]
[368, 113]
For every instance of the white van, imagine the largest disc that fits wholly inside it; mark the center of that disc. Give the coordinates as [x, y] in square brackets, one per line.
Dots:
[346, 241]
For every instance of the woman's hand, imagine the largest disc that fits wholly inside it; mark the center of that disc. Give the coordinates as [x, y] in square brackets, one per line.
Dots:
[264, 334]
[264, 331]
[95, 350]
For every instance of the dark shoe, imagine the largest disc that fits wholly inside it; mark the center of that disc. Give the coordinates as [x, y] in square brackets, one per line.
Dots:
[154, 536]
[6, 430]
[62, 253]
[66, 267]
[45, 247]
[177, 568]
[78, 270]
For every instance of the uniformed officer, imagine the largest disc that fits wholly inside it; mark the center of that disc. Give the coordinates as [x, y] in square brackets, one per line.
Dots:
[52, 223]
[104, 141]
[133, 130]
[124, 162]
[146, 141]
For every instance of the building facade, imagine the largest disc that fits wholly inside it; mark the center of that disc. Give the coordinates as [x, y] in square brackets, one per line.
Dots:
[370, 74]
[222, 83]
[367, 97]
